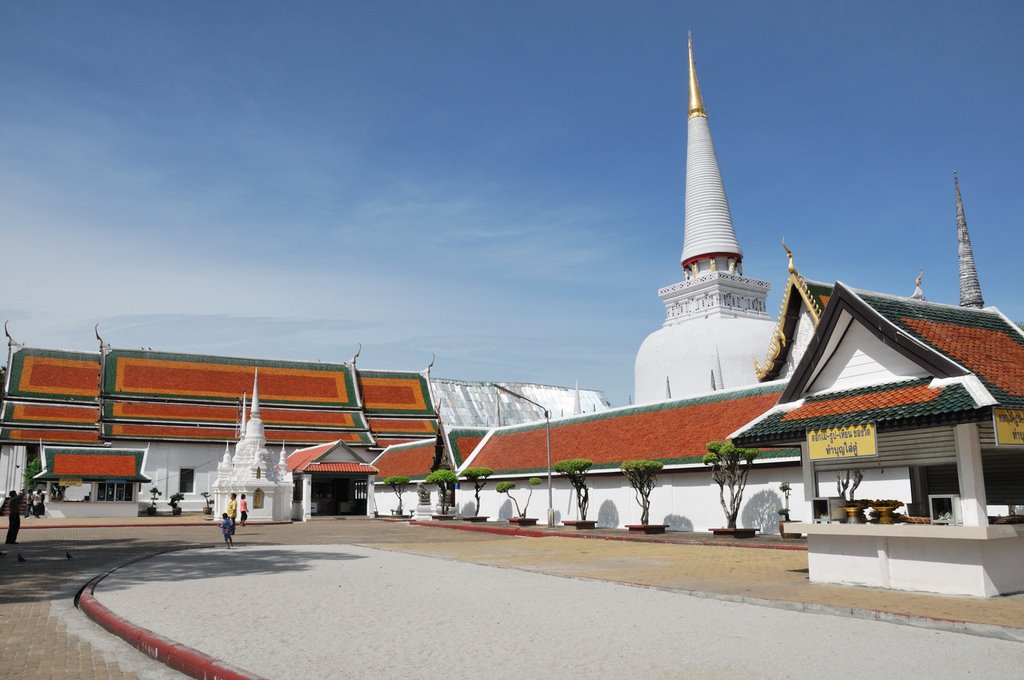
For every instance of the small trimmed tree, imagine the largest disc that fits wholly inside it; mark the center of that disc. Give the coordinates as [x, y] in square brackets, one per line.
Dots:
[506, 488]
[643, 477]
[730, 466]
[32, 468]
[477, 475]
[445, 480]
[576, 470]
[397, 484]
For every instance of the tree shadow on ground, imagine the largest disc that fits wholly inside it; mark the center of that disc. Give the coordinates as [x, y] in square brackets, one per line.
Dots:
[185, 565]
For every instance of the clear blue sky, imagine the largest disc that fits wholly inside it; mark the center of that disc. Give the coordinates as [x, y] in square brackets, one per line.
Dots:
[499, 183]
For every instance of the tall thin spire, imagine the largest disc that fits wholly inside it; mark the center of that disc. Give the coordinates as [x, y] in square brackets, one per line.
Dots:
[708, 232]
[970, 288]
[696, 102]
[254, 408]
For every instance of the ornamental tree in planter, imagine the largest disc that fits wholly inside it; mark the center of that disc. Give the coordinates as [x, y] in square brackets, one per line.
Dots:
[173, 501]
[506, 488]
[730, 466]
[477, 475]
[576, 470]
[154, 493]
[643, 477]
[208, 508]
[445, 480]
[397, 484]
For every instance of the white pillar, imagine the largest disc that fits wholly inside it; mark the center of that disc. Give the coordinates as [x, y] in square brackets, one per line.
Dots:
[810, 483]
[307, 496]
[973, 499]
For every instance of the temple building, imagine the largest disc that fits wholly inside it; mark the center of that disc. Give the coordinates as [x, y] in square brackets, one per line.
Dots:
[716, 323]
[181, 410]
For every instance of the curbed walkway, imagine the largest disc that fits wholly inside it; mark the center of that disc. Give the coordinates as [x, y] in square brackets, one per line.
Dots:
[49, 635]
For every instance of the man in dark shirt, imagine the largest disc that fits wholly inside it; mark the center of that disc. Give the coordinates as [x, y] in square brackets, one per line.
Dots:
[13, 517]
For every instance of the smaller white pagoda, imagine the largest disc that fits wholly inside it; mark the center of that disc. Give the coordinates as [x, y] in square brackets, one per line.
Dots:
[267, 484]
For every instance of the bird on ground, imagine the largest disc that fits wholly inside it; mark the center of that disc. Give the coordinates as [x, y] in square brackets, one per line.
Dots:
[3, 554]
[21, 559]
[67, 555]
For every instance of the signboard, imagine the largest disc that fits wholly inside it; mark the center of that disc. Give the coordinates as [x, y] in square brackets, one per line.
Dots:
[1009, 424]
[854, 441]
[69, 481]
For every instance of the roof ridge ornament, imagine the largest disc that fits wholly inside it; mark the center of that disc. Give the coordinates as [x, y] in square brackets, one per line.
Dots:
[918, 291]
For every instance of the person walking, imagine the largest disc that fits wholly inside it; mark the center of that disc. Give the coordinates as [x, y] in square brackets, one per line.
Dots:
[227, 527]
[38, 509]
[232, 511]
[243, 509]
[13, 517]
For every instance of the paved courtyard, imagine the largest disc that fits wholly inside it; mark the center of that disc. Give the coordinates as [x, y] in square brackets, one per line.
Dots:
[373, 599]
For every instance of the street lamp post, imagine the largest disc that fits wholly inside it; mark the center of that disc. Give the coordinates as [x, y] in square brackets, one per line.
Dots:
[547, 426]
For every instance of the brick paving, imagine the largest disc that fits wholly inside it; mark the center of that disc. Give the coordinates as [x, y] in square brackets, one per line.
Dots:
[37, 644]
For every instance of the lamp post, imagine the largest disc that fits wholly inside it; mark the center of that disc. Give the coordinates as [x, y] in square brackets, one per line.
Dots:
[547, 425]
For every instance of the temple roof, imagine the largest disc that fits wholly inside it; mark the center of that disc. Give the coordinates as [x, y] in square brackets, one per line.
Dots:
[972, 359]
[412, 460]
[92, 464]
[890, 406]
[673, 432]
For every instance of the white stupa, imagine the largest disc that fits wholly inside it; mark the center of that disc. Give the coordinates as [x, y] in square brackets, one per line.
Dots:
[716, 323]
[267, 485]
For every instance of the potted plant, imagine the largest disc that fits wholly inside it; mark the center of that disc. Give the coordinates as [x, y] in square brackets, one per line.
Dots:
[785, 488]
[643, 477]
[576, 470]
[208, 508]
[154, 493]
[730, 466]
[521, 519]
[445, 480]
[397, 484]
[173, 501]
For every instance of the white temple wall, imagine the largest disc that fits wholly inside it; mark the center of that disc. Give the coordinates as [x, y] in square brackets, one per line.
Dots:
[163, 467]
[12, 466]
[686, 501]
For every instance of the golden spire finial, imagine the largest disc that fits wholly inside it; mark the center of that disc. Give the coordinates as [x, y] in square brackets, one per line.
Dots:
[792, 269]
[696, 103]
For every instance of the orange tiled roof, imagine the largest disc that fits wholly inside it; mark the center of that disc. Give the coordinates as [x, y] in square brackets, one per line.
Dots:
[301, 457]
[993, 355]
[14, 434]
[206, 378]
[52, 414]
[207, 433]
[41, 374]
[344, 466]
[864, 400]
[205, 413]
[92, 464]
[410, 460]
[670, 431]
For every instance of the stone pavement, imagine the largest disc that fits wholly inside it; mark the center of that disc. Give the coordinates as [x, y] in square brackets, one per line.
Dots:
[38, 644]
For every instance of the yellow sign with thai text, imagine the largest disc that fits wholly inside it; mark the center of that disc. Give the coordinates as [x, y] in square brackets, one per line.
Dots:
[1009, 426]
[855, 441]
[70, 481]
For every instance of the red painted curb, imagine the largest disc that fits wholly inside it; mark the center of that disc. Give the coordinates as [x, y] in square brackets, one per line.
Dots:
[180, 657]
[663, 540]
